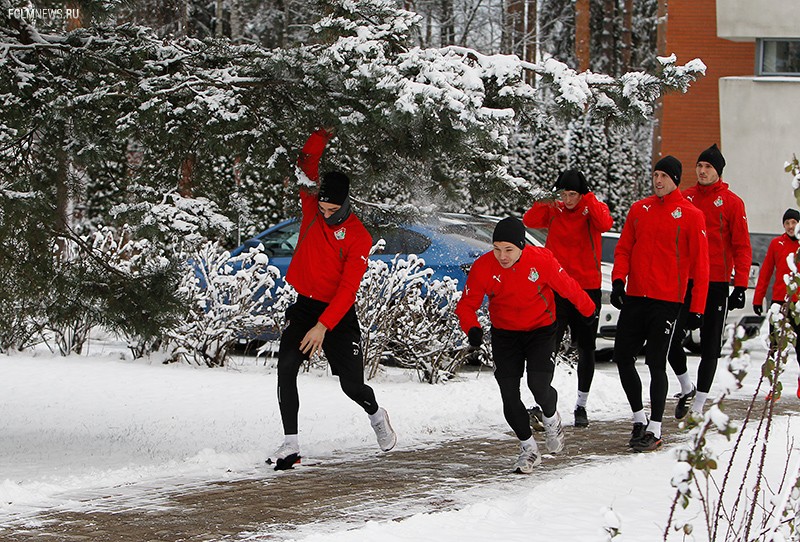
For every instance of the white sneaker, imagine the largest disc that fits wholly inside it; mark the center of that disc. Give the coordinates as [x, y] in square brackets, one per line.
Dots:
[286, 449]
[554, 435]
[529, 458]
[387, 438]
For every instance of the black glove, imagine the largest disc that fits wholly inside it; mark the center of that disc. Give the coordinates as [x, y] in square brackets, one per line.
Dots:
[736, 299]
[618, 293]
[475, 336]
[589, 320]
[695, 320]
[758, 309]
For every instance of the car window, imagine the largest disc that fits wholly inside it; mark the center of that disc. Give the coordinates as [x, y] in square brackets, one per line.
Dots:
[609, 246]
[281, 243]
[759, 243]
[400, 240]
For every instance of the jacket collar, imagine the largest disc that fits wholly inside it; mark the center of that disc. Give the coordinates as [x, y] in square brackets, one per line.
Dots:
[718, 186]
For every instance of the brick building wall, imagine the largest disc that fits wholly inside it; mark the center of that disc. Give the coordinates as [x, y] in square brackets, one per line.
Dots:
[690, 122]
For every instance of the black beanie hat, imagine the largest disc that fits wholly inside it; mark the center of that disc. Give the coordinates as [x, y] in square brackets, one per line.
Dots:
[713, 156]
[671, 166]
[334, 188]
[791, 213]
[511, 230]
[572, 179]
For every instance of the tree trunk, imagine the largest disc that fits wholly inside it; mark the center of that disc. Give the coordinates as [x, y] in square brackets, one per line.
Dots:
[218, 15]
[608, 62]
[75, 16]
[661, 50]
[582, 33]
[627, 35]
[236, 22]
[183, 18]
[185, 183]
[448, 27]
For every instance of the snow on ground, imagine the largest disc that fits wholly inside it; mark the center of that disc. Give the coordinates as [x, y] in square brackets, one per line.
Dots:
[70, 425]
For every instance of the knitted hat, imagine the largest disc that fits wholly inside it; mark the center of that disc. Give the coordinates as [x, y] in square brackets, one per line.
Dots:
[713, 156]
[510, 230]
[791, 213]
[671, 166]
[334, 188]
[572, 179]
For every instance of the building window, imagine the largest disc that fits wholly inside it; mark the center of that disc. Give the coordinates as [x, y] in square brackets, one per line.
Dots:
[778, 57]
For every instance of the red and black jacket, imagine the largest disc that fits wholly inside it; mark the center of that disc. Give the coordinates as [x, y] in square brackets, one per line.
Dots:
[775, 260]
[574, 235]
[329, 262]
[727, 231]
[662, 245]
[520, 297]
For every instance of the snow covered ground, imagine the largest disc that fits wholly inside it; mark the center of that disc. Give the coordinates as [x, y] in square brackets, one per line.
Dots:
[77, 424]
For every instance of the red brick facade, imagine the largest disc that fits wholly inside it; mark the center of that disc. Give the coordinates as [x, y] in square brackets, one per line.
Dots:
[690, 121]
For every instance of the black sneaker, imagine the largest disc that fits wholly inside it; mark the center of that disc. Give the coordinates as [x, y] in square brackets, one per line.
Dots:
[637, 434]
[647, 443]
[581, 420]
[536, 416]
[682, 408]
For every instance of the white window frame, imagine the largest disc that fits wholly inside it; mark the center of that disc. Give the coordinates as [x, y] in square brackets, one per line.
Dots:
[761, 49]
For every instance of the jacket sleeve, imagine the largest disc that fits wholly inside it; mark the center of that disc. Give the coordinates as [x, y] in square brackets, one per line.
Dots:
[622, 254]
[311, 153]
[355, 265]
[765, 274]
[700, 269]
[568, 288]
[599, 213]
[539, 215]
[471, 299]
[740, 245]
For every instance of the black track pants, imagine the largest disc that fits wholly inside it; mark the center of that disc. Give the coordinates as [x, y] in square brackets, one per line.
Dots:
[710, 335]
[585, 335]
[515, 352]
[641, 321]
[342, 347]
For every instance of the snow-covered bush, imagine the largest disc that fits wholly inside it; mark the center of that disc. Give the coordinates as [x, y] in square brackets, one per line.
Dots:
[749, 505]
[229, 297]
[408, 318]
[110, 279]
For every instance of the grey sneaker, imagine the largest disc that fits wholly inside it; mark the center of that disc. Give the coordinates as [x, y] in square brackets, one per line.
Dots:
[387, 438]
[285, 457]
[528, 458]
[554, 435]
[285, 451]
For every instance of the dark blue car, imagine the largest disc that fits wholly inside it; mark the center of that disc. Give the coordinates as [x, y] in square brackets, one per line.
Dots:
[448, 242]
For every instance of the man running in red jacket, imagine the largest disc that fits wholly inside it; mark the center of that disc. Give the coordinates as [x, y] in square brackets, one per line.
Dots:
[519, 281]
[662, 244]
[728, 250]
[776, 261]
[326, 271]
[575, 225]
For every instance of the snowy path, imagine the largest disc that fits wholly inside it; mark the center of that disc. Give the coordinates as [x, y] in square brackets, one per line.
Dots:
[328, 495]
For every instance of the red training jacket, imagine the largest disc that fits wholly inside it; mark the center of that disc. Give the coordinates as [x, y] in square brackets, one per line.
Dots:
[520, 297]
[329, 262]
[727, 232]
[778, 251]
[662, 245]
[574, 235]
